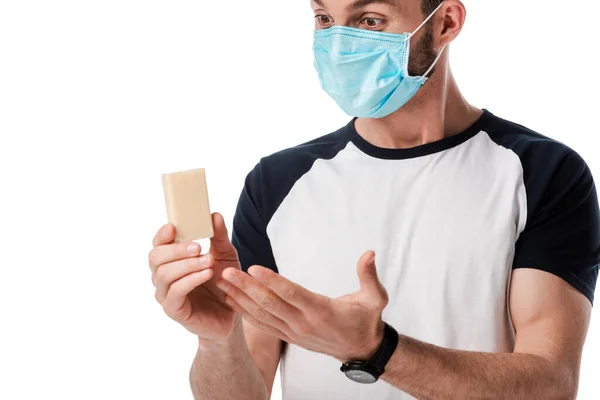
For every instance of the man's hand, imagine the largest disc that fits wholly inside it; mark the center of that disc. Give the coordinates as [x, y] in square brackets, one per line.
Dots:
[185, 280]
[348, 328]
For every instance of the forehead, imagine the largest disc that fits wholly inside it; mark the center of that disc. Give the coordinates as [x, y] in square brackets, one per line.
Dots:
[357, 4]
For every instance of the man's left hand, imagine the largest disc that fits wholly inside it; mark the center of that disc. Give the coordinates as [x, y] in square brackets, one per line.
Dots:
[347, 328]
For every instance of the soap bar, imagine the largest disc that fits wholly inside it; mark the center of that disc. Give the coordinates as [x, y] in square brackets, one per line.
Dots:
[186, 198]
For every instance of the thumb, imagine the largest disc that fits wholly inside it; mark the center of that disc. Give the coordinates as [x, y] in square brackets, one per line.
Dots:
[220, 242]
[369, 281]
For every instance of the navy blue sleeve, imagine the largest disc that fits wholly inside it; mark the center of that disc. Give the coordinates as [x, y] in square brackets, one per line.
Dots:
[249, 235]
[562, 234]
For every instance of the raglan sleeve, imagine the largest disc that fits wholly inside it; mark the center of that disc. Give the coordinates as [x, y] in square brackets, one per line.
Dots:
[562, 234]
[249, 234]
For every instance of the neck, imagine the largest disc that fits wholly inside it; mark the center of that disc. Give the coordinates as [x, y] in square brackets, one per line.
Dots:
[438, 110]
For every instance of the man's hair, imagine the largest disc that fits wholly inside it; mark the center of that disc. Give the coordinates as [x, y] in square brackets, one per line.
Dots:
[427, 6]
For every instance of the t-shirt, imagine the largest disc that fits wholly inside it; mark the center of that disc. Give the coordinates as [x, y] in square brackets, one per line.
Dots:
[449, 221]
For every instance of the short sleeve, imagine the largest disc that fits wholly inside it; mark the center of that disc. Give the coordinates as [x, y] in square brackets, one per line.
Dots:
[562, 234]
[249, 235]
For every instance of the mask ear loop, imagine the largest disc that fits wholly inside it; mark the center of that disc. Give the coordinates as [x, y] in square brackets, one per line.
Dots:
[426, 20]
[424, 77]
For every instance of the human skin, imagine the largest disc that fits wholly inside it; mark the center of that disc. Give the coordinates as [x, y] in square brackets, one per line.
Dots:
[550, 317]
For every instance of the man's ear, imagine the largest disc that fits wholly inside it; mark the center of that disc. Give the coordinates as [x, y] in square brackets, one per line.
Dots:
[449, 21]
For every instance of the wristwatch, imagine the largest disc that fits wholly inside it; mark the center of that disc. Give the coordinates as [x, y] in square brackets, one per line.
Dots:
[370, 371]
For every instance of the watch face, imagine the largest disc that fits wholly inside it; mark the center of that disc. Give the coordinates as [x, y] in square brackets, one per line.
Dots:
[360, 376]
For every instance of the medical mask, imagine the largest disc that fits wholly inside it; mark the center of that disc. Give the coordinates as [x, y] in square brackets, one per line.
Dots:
[366, 72]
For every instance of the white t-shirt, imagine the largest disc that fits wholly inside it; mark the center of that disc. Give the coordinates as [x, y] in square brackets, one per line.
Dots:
[449, 221]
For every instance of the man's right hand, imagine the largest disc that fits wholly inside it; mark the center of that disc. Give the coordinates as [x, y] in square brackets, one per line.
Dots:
[185, 280]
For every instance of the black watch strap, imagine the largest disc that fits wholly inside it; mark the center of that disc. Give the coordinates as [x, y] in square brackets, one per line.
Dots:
[385, 350]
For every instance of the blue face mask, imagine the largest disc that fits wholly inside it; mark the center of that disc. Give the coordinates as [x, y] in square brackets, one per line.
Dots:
[366, 72]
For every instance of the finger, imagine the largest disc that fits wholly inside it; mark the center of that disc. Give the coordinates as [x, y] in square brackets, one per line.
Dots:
[367, 273]
[166, 274]
[179, 289]
[287, 290]
[165, 235]
[220, 242]
[260, 325]
[371, 288]
[256, 310]
[236, 282]
[167, 253]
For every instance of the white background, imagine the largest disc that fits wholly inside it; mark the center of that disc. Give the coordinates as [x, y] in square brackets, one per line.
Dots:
[98, 98]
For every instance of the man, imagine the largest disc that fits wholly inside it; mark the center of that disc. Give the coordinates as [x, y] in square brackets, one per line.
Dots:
[487, 238]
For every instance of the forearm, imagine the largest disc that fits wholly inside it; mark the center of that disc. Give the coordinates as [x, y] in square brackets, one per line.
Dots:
[430, 372]
[225, 371]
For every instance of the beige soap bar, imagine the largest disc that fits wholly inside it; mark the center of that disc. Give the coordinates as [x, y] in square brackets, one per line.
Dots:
[186, 198]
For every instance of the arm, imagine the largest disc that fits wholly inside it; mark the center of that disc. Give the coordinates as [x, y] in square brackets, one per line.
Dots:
[243, 366]
[245, 363]
[550, 316]
[555, 270]
[551, 319]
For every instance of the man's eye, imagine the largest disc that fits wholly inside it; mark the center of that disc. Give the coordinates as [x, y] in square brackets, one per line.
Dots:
[324, 19]
[371, 22]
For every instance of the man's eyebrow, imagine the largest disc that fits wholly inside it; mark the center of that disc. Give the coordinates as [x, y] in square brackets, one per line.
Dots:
[357, 5]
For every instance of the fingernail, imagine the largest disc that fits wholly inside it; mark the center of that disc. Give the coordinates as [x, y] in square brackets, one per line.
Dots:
[204, 273]
[204, 260]
[192, 248]
[224, 286]
[254, 271]
[231, 278]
